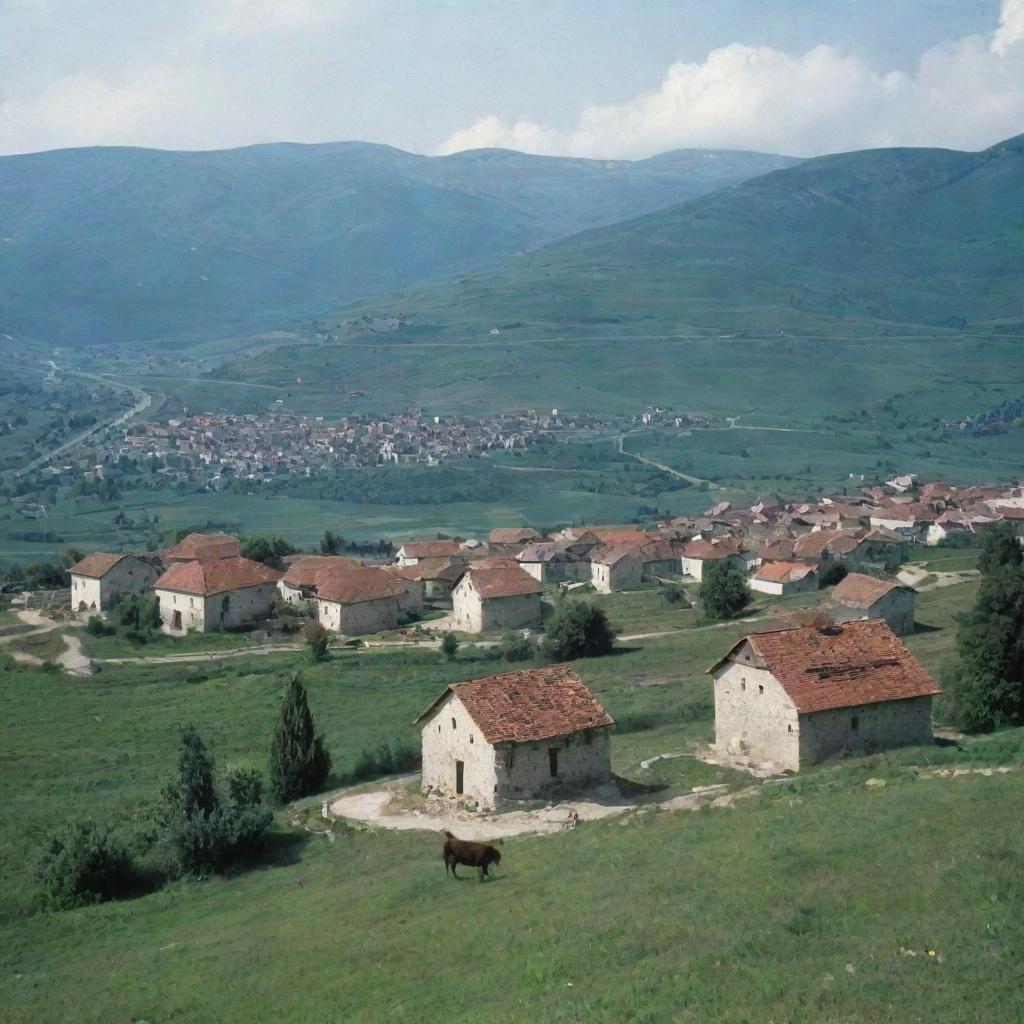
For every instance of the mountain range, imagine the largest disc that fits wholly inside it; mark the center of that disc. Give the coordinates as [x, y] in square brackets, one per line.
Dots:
[114, 245]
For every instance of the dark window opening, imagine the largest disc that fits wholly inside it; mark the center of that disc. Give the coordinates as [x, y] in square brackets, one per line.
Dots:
[470, 737]
[553, 761]
[453, 723]
[460, 771]
[855, 723]
[789, 728]
[760, 688]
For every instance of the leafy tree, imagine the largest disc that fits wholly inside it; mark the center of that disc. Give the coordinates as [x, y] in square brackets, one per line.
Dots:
[516, 647]
[449, 645]
[986, 688]
[578, 629]
[97, 626]
[245, 787]
[299, 761]
[317, 641]
[269, 550]
[138, 614]
[84, 863]
[69, 556]
[999, 547]
[329, 544]
[833, 573]
[724, 591]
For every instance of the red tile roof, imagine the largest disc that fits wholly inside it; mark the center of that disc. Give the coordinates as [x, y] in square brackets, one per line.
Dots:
[840, 666]
[205, 546]
[216, 577]
[859, 591]
[430, 548]
[303, 570]
[354, 585]
[96, 565]
[523, 707]
[612, 554]
[514, 535]
[838, 542]
[783, 572]
[502, 580]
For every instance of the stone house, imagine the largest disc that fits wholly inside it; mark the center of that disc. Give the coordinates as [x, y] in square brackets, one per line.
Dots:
[99, 579]
[864, 597]
[437, 576]
[204, 547]
[491, 597]
[577, 540]
[359, 600]
[513, 538]
[414, 551]
[881, 547]
[518, 736]
[549, 562]
[613, 568]
[828, 546]
[951, 524]
[298, 585]
[793, 697]
[910, 521]
[220, 594]
[660, 557]
[698, 553]
[783, 578]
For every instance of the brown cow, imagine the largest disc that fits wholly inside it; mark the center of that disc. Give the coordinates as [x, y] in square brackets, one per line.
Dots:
[473, 855]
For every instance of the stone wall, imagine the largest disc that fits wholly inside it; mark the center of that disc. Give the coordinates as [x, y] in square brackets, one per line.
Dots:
[360, 618]
[865, 729]
[754, 717]
[627, 572]
[524, 770]
[129, 576]
[450, 735]
[229, 610]
[897, 608]
[500, 613]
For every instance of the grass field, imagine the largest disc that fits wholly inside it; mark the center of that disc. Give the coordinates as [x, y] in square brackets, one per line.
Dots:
[800, 904]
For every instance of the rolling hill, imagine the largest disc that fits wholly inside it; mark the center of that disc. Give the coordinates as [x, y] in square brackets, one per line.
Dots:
[117, 245]
[905, 236]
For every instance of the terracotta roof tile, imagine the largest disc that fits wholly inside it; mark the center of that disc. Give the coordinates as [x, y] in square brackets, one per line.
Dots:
[508, 580]
[783, 572]
[522, 707]
[356, 584]
[612, 554]
[96, 565]
[513, 535]
[216, 577]
[430, 548]
[841, 666]
[303, 570]
[859, 591]
[205, 546]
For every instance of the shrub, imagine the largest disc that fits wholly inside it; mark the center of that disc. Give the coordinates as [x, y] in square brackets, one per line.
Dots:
[449, 645]
[84, 863]
[96, 626]
[317, 641]
[672, 594]
[832, 574]
[516, 647]
[385, 759]
[212, 842]
[578, 629]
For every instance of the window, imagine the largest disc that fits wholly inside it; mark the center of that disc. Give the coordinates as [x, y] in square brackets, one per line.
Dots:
[439, 728]
[743, 685]
[453, 723]
[760, 688]
[789, 728]
[553, 761]
[855, 723]
[470, 737]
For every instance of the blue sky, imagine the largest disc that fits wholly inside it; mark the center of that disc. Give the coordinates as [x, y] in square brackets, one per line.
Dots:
[605, 78]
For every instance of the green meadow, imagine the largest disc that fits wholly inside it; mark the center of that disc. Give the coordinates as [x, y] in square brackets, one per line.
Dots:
[818, 900]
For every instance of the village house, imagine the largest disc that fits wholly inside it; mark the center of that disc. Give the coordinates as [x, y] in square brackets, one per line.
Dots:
[549, 562]
[298, 585]
[793, 697]
[100, 579]
[413, 551]
[660, 558]
[883, 547]
[613, 568]
[437, 576]
[490, 597]
[363, 599]
[578, 541]
[511, 539]
[828, 546]
[520, 736]
[950, 526]
[204, 547]
[865, 597]
[783, 578]
[910, 521]
[698, 553]
[221, 593]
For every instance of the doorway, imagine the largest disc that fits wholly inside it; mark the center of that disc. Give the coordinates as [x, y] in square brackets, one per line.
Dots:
[176, 620]
[460, 774]
[553, 761]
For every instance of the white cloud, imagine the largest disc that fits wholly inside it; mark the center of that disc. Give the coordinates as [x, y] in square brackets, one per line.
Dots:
[964, 94]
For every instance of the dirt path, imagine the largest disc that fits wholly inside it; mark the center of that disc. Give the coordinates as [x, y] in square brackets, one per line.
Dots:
[695, 480]
[74, 660]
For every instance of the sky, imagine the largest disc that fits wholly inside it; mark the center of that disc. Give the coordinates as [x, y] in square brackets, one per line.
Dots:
[601, 78]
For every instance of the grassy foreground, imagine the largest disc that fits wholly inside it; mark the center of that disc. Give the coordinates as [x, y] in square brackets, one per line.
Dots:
[802, 903]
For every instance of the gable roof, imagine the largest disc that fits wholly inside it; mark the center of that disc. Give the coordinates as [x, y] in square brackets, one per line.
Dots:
[860, 591]
[355, 584]
[548, 551]
[783, 572]
[814, 545]
[216, 577]
[860, 662]
[430, 548]
[205, 546]
[521, 707]
[304, 570]
[96, 565]
[612, 554]
[501, 580]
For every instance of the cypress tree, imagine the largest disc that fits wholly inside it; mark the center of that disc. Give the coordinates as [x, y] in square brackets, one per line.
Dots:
[299, 762]
[191, 792]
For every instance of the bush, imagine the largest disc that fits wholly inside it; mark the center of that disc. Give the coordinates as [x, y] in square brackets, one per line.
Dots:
[449, 645]
[724, 591]
[97, 626]
[516, 647]
[832, 574]
[138, 615]
[385, 759]
[578, 629]
[213, 842]
[84, 863]
[317, 641]
[672, 594]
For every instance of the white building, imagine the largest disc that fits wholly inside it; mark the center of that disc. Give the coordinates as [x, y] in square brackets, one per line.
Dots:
[783, 578]
[519, 736]
[99, 579]
[614, 567]
[491, 597]
[359, 600]
[793, 697]
[221, 594]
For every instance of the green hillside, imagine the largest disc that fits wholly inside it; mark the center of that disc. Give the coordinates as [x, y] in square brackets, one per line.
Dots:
[113, 244]
[908, 236]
